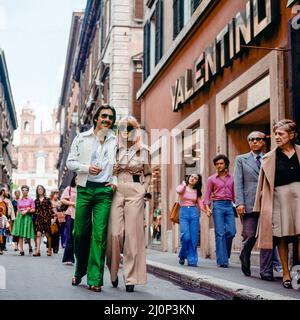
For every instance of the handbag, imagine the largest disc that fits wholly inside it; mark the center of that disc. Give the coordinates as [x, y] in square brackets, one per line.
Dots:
[61, 217]
[54, 228]
[64, 207]
[174, 214]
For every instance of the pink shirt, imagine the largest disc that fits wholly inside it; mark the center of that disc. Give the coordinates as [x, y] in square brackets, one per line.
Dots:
[188, 198]
[25, 203]
[219, 188]
[70, 195]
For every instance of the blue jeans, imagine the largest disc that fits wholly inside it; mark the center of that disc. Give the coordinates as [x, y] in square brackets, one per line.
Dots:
[224, 230]
[189, 230]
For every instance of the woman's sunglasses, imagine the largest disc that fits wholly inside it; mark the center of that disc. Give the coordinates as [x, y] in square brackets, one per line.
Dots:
[105, 115]
[128, 128]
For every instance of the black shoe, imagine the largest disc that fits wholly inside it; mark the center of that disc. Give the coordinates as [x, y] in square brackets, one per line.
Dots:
[267, 278]
[115, 283]
[30, 250]
[21, 253]
[129, 287]
[181, 261]
[245, 267]
[76, 281]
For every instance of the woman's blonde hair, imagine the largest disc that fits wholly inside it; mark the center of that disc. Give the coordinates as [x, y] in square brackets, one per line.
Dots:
[53, 193]
[288, 126]
[131, 120]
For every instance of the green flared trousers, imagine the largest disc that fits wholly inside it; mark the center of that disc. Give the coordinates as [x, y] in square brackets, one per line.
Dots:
[90, 231]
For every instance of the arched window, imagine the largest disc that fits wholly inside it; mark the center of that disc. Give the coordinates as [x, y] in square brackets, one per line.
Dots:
[26, 126]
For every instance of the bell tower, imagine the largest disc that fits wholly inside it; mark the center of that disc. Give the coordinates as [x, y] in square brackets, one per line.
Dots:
[27, 123]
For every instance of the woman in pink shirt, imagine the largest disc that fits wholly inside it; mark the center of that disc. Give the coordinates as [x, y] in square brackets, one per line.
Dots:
[189, 196]
[69, 198]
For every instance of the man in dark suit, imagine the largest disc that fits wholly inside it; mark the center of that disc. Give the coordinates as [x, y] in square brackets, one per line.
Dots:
[246, 174]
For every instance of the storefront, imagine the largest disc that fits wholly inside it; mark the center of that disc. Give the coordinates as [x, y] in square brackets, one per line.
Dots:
[227, 76]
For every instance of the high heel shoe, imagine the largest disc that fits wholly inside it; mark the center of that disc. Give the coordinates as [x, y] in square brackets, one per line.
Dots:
[76, 281]
[21, 253]
[36, 254]
[115, 283]
[49, 253]
[95, 288]
[129, 287]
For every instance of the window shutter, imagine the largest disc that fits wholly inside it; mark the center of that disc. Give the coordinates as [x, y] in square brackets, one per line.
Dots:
[175, 19]
[139, 9]
[195, 4]
[146, 62]
[158, 31]
[181, 14]
[136, 105]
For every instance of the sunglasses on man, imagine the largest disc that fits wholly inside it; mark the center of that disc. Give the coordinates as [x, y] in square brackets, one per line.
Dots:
[256, 139]
[105, 116]
[128, 128]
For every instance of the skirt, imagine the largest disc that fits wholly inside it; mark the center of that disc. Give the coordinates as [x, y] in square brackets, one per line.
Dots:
[286, 210]
[23, 227]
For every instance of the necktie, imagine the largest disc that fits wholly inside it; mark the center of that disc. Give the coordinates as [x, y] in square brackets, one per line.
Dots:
[258, 161]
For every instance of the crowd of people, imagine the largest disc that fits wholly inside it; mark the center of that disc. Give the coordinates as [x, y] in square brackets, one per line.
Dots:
[264, 192]
[100, 215]
[23, 220]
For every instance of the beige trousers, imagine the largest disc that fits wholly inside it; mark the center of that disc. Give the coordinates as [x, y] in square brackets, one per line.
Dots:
[126, 234]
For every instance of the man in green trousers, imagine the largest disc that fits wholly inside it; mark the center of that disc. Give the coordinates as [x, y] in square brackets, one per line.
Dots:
[92, 156]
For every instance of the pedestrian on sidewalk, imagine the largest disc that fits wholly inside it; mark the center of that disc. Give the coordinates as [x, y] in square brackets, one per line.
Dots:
[4, 197]
[23, 224]
[4, 225]
[68, 198]
[246, 172]
[220, 188]
[44, 214]
[189, 221]
[126, 222]
[15, 239]
[278, 194]
[92, 156]
[56, 204]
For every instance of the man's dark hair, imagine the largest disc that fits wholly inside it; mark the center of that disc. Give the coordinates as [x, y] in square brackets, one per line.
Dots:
[103, 107]
[148, 195]
[25, 187]
[221, 157]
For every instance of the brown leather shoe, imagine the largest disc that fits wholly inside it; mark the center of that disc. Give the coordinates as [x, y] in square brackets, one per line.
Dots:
[36, 254]
[95, 288]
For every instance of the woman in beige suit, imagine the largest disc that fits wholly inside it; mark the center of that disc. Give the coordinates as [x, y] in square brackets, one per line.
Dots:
[278, 195]
[126, 222]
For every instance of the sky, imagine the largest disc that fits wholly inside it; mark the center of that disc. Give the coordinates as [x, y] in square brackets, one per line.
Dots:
[34, 35]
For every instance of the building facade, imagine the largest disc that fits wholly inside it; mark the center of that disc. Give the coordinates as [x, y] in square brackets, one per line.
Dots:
[108, 64]
[8, 124]
[216, 70]
[37, 154]
[67, 115]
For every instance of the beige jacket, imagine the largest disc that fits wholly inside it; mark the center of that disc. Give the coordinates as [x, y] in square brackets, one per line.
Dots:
[264, 198]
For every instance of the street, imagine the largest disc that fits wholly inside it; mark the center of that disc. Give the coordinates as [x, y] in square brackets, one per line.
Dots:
[46, 278]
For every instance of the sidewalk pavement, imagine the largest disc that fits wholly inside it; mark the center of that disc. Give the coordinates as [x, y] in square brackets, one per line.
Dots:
[223, 283]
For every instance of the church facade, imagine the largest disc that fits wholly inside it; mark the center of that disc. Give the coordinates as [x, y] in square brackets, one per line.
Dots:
[36, 155]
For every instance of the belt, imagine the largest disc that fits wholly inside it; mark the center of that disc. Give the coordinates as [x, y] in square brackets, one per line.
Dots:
[92, 184]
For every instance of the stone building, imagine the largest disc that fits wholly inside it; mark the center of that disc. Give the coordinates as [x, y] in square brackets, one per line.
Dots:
[219, 69]
[37, 153]
[108, 66]
[67, 114]
[8, 124]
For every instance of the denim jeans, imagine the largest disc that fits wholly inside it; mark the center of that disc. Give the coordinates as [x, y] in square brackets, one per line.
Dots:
[189, 230]
[225, 229]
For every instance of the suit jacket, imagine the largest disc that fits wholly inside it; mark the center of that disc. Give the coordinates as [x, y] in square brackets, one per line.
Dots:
[246, 174]
[265, 197]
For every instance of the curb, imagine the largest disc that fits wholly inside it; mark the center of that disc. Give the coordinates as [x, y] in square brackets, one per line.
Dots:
[226, 290]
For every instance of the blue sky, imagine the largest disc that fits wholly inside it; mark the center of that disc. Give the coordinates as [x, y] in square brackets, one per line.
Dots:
[34, 36]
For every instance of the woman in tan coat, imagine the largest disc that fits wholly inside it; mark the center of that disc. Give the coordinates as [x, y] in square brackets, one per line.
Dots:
[126, 222]
[278, 194]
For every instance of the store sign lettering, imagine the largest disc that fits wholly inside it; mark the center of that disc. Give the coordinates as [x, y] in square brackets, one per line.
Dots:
[241, 30]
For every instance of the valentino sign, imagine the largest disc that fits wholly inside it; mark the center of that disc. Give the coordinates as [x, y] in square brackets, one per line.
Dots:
[241, 30]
